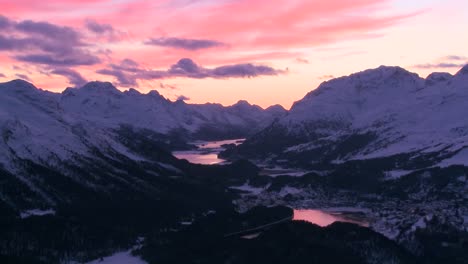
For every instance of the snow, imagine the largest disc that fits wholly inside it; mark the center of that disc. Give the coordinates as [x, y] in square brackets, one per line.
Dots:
[460, 158]
[346, 209]
[124, 257]
[250, 189]
[36, 212]
[289, 190]
[169, 167]
[408, 114]
[104, 104]
[51, 127]
[281, 171]
[421, 223]
[395, 174]
[57, 129]
[252, 236]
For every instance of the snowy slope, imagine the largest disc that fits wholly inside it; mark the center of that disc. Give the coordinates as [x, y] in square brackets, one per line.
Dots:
[104, 104]
[376, 113]
[97, 139]
[43, 126]
[33, 125]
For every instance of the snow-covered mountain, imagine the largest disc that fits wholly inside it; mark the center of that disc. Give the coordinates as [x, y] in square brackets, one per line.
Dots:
[41, 125]
[377, 113]
[87, 171]
[96, 141]
[105, 105]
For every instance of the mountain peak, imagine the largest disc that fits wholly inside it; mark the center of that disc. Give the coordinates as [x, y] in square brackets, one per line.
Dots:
[101, 86]
[463, 71]
[276, 108]
[132, 91]
[377, 77]
[437, 77]
[387, 71]
[19, 85]
[154, 93]
[242, 103]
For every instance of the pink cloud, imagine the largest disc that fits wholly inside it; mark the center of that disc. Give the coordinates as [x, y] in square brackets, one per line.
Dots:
[253, 31]
[252, 25]
[21, 7]
[255, 20]
[242, 24]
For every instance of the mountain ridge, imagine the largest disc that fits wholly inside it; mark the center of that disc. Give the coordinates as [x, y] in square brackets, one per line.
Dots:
[392, 110]
[99, 100]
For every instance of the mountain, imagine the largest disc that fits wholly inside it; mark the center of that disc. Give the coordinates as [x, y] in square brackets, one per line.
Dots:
[88, 172]
[103, 104]
[383, 142]
[85, 172]
[386, 112]
[99, 139]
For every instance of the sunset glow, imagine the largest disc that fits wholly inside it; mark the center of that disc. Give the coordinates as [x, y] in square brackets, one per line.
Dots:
[225, 50]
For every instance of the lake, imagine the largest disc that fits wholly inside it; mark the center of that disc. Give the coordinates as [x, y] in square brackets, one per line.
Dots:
[207, 152]
[328, 217]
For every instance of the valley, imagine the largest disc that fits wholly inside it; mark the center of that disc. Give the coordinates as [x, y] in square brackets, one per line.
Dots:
[376, 172]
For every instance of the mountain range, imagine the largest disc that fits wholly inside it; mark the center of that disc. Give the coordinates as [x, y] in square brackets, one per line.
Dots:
[85, 172]
[383, 113]
[97, 138]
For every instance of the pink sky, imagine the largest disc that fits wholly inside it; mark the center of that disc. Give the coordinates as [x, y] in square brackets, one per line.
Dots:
[226, 50]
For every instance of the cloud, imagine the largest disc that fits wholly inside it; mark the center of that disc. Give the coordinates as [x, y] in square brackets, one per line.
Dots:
[254, 33]
[243, 70]
[128, 72]
[128, 65]
[187, 67]
[286, 24]
[2, 75]
[168, 86]
[103, 31]
[447, 62]
[4, 22]
[73, 76]
[44, 43]
[302, 60]
[48, 31]
[123, 78]
[98, 28]
[456, 58]
[182, 98]
[60, 60]
[442, 65]
[184, 43]
[23, 77]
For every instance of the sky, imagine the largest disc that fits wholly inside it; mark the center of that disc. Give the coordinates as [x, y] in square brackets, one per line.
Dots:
[222, 51]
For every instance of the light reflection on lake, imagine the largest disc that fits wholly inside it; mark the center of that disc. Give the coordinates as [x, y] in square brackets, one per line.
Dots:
[207, 152]
[198, 158]
[322, 218]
